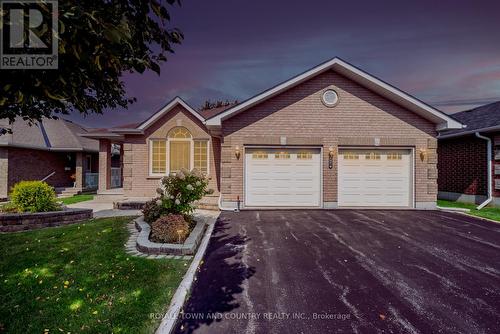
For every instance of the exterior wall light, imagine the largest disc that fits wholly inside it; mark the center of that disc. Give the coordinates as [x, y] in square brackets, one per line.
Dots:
[237, 153]
[330, 157]
[423, 153]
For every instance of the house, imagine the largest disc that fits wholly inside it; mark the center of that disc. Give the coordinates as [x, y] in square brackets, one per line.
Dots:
[51, 150]
[333, 136]
[469, 158]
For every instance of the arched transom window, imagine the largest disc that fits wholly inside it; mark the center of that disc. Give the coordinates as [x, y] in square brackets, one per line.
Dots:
[179, 150]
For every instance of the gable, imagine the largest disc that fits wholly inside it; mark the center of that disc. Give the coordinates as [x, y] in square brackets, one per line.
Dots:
[359, 112]
[178, 116]
[391, 93]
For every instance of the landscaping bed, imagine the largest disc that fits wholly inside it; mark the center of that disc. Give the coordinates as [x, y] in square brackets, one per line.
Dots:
[15, 222]
[187, 247]
[78, 279]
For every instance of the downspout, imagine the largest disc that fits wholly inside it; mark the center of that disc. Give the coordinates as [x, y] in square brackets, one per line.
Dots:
[490, 185]
[221, 208]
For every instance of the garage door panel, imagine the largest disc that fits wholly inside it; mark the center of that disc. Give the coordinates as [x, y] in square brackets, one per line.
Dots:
[374, 177]
[283, 179]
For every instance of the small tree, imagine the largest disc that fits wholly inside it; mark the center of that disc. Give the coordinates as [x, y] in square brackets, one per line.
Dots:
[98, 41]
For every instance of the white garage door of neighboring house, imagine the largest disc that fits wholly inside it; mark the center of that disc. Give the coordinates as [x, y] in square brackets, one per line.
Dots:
[370, 178]
[282, 177]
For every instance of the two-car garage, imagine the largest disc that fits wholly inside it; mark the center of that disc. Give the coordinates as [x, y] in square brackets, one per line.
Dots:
[293, 177]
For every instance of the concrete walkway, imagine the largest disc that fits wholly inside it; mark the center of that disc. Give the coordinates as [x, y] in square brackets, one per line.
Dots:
[102, 209]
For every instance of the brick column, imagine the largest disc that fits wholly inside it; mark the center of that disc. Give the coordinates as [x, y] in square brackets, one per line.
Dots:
[79, 171]
[104, 165]
[121, 164]
[4, 172]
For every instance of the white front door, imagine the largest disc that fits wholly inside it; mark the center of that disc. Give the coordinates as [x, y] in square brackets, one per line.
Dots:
[284, 177]
[374, 178]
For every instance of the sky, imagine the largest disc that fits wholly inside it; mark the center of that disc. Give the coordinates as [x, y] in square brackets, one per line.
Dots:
[444, 52]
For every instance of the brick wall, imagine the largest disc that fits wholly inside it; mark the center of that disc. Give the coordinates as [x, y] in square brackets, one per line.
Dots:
[136, 179]
[27, 164]
[360, 116]
[462, 165]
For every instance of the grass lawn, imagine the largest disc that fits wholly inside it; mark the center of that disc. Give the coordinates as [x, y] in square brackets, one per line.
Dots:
[76, 199]
[487, 212]
[79, 279]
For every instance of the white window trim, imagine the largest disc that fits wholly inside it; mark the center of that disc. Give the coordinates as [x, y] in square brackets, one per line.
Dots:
[167, 155]
[151, 174]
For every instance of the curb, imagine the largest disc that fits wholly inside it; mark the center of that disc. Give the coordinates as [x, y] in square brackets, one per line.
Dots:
[169, 321]
[478, 217]
[450, 209]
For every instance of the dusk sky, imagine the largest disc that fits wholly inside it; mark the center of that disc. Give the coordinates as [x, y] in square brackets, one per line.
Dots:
[445, 52]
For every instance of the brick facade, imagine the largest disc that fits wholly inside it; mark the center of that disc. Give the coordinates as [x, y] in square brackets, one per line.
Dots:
[360, 116]
[462, 165]
[28, 164]
[136, 179]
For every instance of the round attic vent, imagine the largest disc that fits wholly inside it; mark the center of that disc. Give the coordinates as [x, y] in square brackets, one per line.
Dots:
[330, 98]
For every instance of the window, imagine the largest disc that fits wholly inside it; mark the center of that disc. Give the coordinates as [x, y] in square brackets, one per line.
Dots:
[350, 156]
[282, 155]
[180, 142]
[330, 98]
[259, 155]
[180, 152]
[394, 156]
[372, 156]
[304, 156]
[158, 157]
[201, 155]
[179, 132]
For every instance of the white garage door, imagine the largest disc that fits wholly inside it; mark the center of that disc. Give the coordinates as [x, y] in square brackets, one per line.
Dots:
[282, 177]
[374, 178]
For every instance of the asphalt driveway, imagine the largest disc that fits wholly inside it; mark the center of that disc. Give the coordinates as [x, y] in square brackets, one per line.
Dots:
[345, 271]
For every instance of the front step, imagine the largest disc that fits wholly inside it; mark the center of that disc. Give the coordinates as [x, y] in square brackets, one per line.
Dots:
[208, 203]
[63, 192]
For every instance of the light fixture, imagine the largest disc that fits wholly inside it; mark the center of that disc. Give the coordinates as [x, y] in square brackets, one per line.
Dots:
[423, 153]
[330, 157]
[237, 153]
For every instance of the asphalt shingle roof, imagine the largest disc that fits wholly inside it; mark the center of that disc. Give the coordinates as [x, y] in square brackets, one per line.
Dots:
[478, 118]
[49, 134]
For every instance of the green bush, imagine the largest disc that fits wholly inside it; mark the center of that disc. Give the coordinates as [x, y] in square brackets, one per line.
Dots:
[8, 208]
[152, 210]
[33, 196]
[170, 228]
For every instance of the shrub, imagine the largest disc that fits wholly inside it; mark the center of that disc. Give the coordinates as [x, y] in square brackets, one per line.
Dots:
[171, 228]
[8, 208]
[33, 196]
[152, 210]
[180, 190]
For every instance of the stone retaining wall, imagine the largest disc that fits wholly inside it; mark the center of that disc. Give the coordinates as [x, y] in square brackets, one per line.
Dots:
[15, 222]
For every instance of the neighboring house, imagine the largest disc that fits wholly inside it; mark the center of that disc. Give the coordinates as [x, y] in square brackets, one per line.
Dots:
[465, 167]
[333, 136]
[52, 150]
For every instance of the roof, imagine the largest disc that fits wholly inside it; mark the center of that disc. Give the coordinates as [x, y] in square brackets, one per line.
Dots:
[117, 132]
[481, 119]
[209, 113]
[442, 120]
[50, 134]
[167, 108]
[213, 118]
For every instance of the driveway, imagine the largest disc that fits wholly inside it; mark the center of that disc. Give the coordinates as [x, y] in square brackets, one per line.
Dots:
[346, 271]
